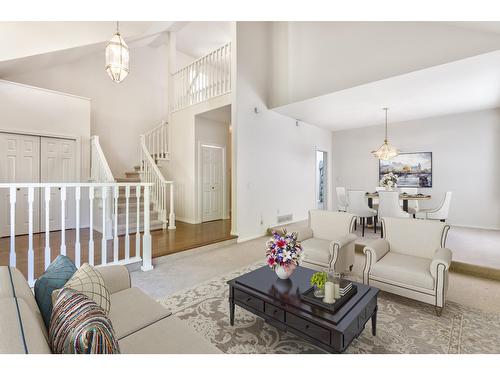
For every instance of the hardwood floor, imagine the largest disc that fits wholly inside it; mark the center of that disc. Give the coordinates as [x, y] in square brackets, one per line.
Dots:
[164, 242]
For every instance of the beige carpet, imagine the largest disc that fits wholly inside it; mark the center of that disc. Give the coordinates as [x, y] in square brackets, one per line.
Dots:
[403, 325]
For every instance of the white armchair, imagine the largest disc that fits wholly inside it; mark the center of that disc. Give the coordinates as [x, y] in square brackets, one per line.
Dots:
[411, 260]
[328, 241]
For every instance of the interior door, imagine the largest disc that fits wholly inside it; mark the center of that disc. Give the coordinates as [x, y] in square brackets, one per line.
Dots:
[58, 164]
[212, 182]
[19, 162]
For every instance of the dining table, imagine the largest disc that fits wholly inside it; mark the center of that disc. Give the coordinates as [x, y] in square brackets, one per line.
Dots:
[402, 196]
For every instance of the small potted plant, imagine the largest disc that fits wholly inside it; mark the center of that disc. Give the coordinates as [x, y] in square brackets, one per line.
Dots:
[389, 181]
[318, 280]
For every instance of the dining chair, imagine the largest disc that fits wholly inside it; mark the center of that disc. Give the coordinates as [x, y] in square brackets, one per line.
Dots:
[440, 213]
[341, 199]
[389, 206]
[380, 188]
[413, 207]
[358, 206]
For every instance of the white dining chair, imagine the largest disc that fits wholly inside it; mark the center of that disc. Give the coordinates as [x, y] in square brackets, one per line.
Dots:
[440, 213]
[413, 206]
[389, 206]
[358, 206]
[380, 188]
[341, 199]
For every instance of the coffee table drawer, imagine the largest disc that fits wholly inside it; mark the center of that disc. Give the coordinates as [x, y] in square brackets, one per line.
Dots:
[310, 329]
[274, 312]
[249, 300]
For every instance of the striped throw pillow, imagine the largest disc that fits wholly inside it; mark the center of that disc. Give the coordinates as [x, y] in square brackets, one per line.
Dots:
[79, 326]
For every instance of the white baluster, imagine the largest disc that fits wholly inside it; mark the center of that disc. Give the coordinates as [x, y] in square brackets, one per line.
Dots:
[137, 229]
[171, 216]
[31, 252]
[47, 227]
[77, 234]
[115, 238]
[127, 237]
[63, 220]
[104, 248]
[91, 226]
[12, 255]
[146, 237]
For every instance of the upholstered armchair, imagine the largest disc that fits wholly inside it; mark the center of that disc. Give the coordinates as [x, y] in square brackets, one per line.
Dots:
[328, 241]
[411, 260]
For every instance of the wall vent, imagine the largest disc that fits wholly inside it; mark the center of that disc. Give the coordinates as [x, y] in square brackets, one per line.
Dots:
[285, 218]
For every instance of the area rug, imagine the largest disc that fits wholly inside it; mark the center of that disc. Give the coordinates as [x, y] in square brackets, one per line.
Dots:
[403, 325]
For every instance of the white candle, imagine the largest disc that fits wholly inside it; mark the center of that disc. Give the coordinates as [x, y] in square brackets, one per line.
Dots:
[337, 291]
[329, 292]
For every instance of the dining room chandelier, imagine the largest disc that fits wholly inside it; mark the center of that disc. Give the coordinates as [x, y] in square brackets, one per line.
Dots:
[386, 151]
[117, 57]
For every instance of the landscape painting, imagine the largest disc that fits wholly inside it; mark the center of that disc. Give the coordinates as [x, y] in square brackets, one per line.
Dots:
[412, 169]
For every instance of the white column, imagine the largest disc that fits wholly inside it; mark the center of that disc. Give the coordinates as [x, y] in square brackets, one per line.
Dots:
[115, 212]
[171, 215]
[127, 236]
[137, 224]
[104, 250]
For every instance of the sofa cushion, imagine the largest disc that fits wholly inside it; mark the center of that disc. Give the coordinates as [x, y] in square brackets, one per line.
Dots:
[317, 251]
[330, 225]
[404, 270]
[89, 281]
[20, 328]
[54, 277]
[132, 310]
[167, 336]
[80, 326]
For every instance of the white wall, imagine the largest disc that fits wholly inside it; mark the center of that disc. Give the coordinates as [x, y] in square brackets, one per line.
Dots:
[317, 58]
[120, 112]
[465, 153]
[213, 133]
[275, 159]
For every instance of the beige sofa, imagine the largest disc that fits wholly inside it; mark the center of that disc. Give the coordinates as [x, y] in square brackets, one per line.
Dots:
[328, 241]
[411, 260]
[141, 324]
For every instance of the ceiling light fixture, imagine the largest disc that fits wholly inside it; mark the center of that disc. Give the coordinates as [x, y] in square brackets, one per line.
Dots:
[386, 151]
[117, 57]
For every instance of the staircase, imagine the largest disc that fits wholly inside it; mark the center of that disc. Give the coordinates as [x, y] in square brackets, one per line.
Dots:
[155, 222]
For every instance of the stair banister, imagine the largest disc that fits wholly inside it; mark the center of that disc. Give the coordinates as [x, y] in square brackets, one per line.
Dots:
[154, 146]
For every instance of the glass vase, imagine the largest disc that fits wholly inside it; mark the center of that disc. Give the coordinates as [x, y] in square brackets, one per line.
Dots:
[319, 292]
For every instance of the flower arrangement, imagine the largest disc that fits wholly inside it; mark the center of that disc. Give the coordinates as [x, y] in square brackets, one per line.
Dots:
[389, 180]
[283, 250]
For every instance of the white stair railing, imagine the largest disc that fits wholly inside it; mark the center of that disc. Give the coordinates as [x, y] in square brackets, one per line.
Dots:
[78, 192]
[156, 141]
[205, 78]
[99, 167]
[151, 149]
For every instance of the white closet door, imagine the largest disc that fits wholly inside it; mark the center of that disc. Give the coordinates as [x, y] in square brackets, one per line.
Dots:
[58, 165]
[212, 178]
[19, 162]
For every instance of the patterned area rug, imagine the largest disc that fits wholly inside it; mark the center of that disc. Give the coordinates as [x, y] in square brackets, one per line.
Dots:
[403, 325]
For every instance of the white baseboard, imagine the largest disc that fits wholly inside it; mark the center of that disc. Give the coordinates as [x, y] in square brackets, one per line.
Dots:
[185, 220]
[472, 226]
[250, 238]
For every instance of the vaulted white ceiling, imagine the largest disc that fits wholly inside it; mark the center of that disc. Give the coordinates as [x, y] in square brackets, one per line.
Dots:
[466, 85]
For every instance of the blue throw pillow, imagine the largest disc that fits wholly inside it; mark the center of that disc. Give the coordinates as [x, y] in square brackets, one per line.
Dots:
[54, 277]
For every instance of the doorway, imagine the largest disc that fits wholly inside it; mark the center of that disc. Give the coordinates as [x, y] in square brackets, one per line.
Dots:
[321, 180]
[34, 159]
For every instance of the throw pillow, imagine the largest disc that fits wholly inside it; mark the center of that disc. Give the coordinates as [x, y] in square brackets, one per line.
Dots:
[89, 281]
[79, 326]
[54, 277]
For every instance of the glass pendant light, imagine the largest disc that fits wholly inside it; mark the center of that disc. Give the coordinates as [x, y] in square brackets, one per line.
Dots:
[117, 57]
[386, 151]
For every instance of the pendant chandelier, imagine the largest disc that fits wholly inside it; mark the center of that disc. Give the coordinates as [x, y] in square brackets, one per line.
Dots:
[386, 151]
[117, 57]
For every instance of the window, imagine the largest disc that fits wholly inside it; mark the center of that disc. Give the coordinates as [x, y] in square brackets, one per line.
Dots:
[321, 180]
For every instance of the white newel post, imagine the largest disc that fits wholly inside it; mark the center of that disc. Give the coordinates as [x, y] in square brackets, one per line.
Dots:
[147, 264]
[77, 234]
[115, 234]
[63, 220]
[91, 226]
[104, 250]
[12, 255]
[31, 253]
[171, 215]
[47, 227]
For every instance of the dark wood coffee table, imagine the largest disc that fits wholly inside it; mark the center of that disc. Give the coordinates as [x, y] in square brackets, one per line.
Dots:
[279, 303]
